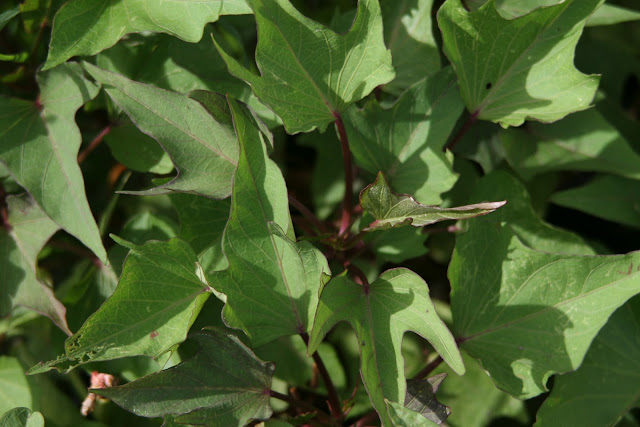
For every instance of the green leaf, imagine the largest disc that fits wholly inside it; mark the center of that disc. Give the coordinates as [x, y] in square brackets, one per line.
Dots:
[610, 14]
[8, 15]
[201, 142]
[224, 384]
[406, 141]
[272, 283]
[392, 210]
[598, 146]
[409, 36]
[19, 248]
[380, 313]
[49, 138]
[605, 386]
[22, 417]
[509, 82]
[309, 73]
[86, 27]
[609, 197]
[404, 417]
[157, 299]
[525, 314]
[14, 389]
[397, 245]
[136, 150]
[421, 398]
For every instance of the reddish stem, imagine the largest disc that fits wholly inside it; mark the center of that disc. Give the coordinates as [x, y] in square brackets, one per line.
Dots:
[93, 144]
[308, 214]
[462, 131]
[347, 205]
[428, 369]
[368, 419]
[4, 211]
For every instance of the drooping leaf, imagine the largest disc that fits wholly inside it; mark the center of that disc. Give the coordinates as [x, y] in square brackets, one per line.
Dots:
[380, 313]
[610, 197]
[224, 384]
[200, 142]
[86, 27]
[510, 82]
[19, 248]
[598, 146]
[402, 416]
[405, 141]
[158, 297]
[421, 398]
[272, 283]
[40, 147]
[605, 386]
[525, 314]
[610, 14]
[409, 35]
[14, 389]
[22, 417]
[392, 210]
[309, 73]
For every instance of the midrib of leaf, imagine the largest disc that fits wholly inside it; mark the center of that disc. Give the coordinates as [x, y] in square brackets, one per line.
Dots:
[198, 140]
[551, 307]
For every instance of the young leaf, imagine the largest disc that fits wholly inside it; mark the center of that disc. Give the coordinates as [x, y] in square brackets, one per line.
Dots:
[409, 36]
[272, 282]
[421, 398]
[309, 73]
[605, 386]
[157, 299]
[610, 197]
[380, 313]
[19, 248]
[526, 314]
[40, 148]
[508, 69]
[201, 143]
[98, 24]
[406, 140]
[224, 384]
[392, 210]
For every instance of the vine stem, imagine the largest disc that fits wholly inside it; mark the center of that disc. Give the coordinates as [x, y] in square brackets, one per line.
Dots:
[307, 214]
[94, 143]
[347, 204]
[428, 369]
[462, 131]
[334, 399]
[4, 211]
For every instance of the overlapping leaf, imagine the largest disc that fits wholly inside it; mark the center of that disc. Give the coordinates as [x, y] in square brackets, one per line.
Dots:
[19, 248]
[606, 385]
[392, 210]
[309, 72]
[199, 138]
[402, 416]
[14, 389]
[526, 314]
[406, 141]
[271, 285]
[86, 27]
[224, 384]
[157, 299]
[380, 313]
[513, 70]
[421, 398]
[22, 417]
[39, 145]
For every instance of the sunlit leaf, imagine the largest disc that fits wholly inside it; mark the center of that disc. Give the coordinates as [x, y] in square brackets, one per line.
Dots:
[14, 389]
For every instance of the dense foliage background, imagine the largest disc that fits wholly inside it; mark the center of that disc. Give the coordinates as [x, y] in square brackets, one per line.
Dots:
[281, 180]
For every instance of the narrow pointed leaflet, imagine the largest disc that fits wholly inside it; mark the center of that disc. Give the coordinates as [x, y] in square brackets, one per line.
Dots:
[158, 297]
[272, 282]
[39, 144]
[380, 313]
[200, 141]
[393, 210]
[19, 248]
[309, 73]
[224, 384]
[513, 70]
[99, 24]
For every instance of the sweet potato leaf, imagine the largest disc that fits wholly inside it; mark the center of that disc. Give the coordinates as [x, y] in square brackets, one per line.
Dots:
[39, 144]
[271, 285]
[402, 416]
[380, 313]
[19, 248]
[97, 25]
[512, 74]
[200, 142]
[309, 73]
[22, 417]
[14, 388]
[393, 210]
[421, 398]
[224, 384]
[406, 140]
